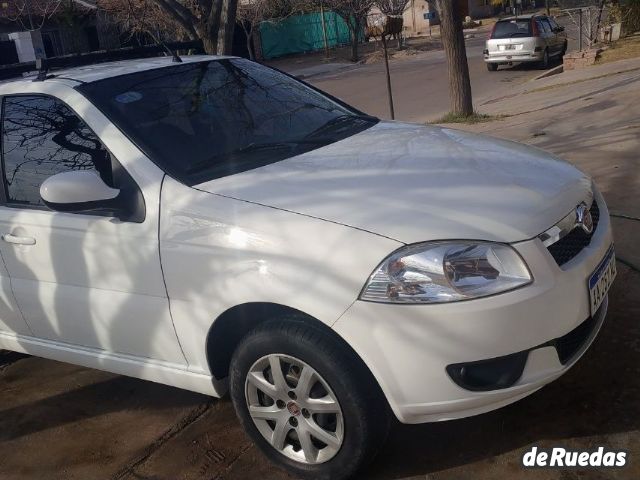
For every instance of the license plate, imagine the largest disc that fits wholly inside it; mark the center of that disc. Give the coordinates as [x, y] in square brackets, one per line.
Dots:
[510, 47]
[601, 280]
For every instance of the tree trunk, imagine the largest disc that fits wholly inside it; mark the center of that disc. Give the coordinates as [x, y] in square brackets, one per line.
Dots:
[227, 26]
[354, 27]
[249, 35]
[456, 53]
[209, 43]
[546, 4]
[207, 31]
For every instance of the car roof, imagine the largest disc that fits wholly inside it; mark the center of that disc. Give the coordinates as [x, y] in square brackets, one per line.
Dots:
[100, 71]
[528, 16]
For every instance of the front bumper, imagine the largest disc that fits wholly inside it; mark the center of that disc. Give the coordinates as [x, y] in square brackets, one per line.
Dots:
[409, 347]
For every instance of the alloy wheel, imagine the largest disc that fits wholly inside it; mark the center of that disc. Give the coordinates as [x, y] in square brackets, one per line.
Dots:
[294, 409]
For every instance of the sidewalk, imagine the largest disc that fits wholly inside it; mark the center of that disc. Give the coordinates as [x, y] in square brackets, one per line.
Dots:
[590, 117]
[558, 89]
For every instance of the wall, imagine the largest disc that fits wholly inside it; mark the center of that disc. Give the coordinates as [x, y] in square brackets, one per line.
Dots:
[302, 33]
[480, 9]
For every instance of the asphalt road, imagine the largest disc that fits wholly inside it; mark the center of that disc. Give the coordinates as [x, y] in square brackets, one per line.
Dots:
[420, 83]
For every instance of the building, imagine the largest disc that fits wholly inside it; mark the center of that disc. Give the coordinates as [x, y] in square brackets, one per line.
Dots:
[76, 27]
[420, 15]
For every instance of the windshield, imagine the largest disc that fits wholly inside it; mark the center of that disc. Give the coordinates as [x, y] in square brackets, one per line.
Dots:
[204, 120]
[512, 28]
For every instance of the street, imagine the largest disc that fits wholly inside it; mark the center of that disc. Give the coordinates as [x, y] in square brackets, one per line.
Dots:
[420, 86]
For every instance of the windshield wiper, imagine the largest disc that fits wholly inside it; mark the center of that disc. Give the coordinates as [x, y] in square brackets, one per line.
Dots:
[251, 148]
[334, 122]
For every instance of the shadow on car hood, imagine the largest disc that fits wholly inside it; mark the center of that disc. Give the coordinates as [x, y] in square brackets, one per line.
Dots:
[414, 183]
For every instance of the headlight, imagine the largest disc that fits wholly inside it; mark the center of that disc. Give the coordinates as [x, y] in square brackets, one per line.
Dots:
[438, 272]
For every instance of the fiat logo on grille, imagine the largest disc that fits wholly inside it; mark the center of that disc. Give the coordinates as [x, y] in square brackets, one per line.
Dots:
[584, 218]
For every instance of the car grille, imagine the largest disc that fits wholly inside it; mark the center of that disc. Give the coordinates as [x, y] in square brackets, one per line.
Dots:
[573, 243]
[572, 342]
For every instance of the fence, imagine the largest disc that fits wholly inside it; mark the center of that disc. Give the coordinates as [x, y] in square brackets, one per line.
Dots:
[303, 33]
[69, 61]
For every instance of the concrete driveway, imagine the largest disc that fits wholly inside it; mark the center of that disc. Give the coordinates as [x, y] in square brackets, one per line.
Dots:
[63, 422]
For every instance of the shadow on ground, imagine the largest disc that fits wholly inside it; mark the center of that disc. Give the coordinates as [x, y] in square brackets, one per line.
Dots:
[62, 421]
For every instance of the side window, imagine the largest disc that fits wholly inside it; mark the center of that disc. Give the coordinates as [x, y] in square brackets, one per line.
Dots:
[41, 137]
[546, 25]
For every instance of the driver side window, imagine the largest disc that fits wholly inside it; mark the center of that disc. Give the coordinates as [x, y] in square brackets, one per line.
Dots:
[41, 136]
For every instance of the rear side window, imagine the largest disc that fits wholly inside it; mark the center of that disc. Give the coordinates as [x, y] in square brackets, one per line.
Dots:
[512, 29]
[41, 137]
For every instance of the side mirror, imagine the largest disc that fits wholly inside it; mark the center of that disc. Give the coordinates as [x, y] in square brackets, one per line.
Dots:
[558, 29]
[78, 191]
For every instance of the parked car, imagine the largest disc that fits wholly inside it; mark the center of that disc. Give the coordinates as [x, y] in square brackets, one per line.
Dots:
[218, 225]
[526, 38]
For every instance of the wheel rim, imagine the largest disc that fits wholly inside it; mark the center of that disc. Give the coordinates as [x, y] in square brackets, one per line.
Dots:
[294, 409]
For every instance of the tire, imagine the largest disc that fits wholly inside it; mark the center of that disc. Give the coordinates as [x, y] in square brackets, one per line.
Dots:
[357, 428]
[492, 67]
[563, 51]
[544, 63]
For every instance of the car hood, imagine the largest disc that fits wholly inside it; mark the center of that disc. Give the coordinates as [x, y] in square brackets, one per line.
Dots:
[414, 183]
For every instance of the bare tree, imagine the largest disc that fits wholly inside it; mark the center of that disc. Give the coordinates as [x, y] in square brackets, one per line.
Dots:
[354, 13]
[31, 15]
[211, 21]
[393, 8]
[229, 9]
[456, 53]
[143, 17]
[251, 13]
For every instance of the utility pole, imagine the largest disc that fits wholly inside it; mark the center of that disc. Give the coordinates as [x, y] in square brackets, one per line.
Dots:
[580, 29]
[324, 32]
[386, 67]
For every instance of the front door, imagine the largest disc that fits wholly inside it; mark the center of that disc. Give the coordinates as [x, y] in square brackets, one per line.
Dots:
[89, 281]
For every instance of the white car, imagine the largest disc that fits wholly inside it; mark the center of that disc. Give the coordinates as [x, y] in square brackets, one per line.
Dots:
[217, 224]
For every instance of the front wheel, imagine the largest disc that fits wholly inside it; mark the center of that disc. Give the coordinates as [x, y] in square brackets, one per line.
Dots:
[308, 404]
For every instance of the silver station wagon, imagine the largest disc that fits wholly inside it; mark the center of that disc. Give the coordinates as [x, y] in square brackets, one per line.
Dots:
[527, 38]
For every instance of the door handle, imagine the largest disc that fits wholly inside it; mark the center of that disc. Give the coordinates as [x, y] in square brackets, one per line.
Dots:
[17, 240]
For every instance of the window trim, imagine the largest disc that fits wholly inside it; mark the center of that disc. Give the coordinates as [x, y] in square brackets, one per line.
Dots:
[4, 197]
[3, 188]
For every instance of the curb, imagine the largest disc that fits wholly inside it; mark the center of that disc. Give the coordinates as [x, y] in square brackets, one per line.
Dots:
[548, 73]
[305, 76]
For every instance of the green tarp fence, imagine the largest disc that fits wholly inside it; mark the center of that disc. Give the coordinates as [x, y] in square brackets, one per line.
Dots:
[302, 33]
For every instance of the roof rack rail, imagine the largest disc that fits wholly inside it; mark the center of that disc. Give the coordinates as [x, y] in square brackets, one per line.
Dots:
[45, 66]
